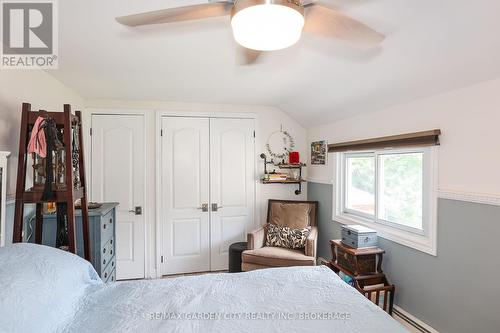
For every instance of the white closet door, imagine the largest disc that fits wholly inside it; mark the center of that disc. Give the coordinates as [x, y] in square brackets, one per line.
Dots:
[118, 175]
[232, 185]
[184, 189]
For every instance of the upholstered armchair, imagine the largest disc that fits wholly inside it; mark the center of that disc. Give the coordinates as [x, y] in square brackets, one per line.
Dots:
[292, 214]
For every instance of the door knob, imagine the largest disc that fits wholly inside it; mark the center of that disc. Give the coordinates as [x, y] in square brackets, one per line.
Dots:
[215, 207]
[204, 207]
[137, 210]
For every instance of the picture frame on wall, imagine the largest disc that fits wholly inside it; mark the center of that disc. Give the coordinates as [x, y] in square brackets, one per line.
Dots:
[319, 151]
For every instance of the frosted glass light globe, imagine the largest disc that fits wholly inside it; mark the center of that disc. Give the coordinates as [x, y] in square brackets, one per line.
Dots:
[271, 25]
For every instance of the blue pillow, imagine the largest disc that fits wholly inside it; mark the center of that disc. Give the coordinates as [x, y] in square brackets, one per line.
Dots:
[41, 287]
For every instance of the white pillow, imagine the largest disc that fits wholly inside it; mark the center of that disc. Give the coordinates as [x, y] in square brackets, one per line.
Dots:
[40, 287]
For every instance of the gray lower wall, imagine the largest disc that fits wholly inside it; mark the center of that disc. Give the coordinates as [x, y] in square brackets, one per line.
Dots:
[457, 291]
[29, 211]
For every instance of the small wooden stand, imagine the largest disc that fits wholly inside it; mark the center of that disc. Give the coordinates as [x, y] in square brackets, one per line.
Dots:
[374, 287]
[68, 194]
[356, 262]
[364, 265]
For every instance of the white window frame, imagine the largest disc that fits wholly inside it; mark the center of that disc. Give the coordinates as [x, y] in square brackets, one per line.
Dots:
[424, 240]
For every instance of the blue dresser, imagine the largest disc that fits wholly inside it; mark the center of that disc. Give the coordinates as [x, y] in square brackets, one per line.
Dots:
[102, 238]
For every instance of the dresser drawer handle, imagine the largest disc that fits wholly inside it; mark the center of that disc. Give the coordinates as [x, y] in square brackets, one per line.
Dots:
[104, 226]
[104, 250]
[104, 262]
[112, 278]
[112, 264]
[111, 252]
[105, 275]
[110, 221]
[111, 241]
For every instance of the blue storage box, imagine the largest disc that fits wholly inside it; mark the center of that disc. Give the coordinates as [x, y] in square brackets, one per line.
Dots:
[358, 236]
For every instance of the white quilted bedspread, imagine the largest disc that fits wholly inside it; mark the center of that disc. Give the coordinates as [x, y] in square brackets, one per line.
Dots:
[296, 299]
[47, 290]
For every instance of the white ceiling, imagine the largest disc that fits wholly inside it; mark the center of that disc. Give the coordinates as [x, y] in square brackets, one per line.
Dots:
[431, 46]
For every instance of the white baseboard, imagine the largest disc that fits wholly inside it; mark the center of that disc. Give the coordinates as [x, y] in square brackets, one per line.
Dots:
[411, 321]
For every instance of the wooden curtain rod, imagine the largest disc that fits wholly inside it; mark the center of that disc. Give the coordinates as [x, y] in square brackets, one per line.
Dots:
[425, 138]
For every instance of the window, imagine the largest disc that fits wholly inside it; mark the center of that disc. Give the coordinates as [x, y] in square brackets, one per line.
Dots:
[360, 184]
[391, 191]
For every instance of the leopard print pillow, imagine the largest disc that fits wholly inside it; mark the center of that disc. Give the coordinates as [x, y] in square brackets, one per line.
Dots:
[285, 237]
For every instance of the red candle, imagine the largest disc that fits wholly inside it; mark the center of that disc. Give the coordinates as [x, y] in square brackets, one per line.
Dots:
[293, 157]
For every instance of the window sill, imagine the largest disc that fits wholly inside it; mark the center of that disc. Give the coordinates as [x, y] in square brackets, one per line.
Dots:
[423, 243]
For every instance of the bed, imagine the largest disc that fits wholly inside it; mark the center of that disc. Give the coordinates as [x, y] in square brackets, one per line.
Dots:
[48, 290]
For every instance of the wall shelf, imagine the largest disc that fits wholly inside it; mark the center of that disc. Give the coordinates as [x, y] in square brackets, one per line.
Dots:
[290, 166]
[297, 166]
[287, 181]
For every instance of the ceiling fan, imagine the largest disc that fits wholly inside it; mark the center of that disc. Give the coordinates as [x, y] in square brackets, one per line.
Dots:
[267, 25]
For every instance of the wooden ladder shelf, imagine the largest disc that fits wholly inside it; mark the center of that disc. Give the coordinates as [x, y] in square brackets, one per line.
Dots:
[67, 122]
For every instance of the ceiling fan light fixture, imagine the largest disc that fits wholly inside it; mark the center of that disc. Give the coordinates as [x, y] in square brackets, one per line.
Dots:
[267, 25]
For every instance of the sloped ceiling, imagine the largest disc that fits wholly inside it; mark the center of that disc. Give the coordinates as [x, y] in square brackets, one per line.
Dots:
[431, 46]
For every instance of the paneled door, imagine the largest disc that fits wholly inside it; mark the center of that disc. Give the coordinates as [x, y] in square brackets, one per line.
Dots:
[118, 175]
[232, 184]
[207, 190]
[185, 195]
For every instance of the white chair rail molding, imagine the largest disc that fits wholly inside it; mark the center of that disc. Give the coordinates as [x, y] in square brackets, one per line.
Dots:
[3, 194]
[389, 184]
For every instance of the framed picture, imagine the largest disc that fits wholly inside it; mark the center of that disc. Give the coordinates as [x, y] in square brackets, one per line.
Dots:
[318, 152]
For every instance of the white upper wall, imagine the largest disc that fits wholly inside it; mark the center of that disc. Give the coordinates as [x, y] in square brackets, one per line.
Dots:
[269, 120]
[44, 92]
[30, 86]
[469, 118]
[431, 47]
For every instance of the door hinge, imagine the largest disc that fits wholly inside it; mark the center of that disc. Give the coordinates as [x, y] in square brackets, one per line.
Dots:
[162, 259]
[161, 132]
[254, 134]
[91, 131]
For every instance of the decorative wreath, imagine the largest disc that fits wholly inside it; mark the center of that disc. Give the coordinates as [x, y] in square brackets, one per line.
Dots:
[288, 145]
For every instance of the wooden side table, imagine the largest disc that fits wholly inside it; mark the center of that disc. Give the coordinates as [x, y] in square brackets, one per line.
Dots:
[356, 262]
[364, 265]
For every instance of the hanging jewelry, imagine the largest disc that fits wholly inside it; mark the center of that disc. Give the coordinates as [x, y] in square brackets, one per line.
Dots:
[76, 158]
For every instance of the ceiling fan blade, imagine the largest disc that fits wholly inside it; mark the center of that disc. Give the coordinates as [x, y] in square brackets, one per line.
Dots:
[248, 56]
[327, 22]
[186, 13]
